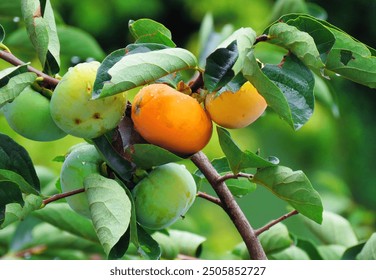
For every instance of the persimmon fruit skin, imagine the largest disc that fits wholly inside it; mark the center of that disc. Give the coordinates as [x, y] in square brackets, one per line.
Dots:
[236, 109]
[76, 113]
[164, 196]
[170, 119]
[29, 115]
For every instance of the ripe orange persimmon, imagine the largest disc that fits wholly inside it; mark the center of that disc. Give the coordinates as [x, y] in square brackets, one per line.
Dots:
[236, 109]
[170, 119]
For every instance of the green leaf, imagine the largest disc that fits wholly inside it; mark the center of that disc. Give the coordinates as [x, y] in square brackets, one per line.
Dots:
[331, 251]
[2, 33]
[298, 42]
[146, 245]
[15, 86]
[23, 185]
[114, 57]
[238, 159]
[189, 244]
[63, 217]
[15, 158]
[118, 164]
[310, 248]
[321, 35]
[169, 249]
[296, 82]
[269, 90]
[245, 39]
[353, 251]
[110, 209]
[9, 193]
[240, 187]
[334, 230]
[293, 187]
[14, 212]
[218, 70]
[290, 253]
[8, 73]
[41, 28]
[275, 239]
[150, 31]
[369, 250]
[146, 156]
[352, 60]
[142, 68]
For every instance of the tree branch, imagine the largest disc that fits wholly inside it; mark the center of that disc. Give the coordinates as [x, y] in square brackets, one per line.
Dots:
[62, 195]
[9, 57]
[210, 198]
[233, 176]
[230, 206]
[274, 222]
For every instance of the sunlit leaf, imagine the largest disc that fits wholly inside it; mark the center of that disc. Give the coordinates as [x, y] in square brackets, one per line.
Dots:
[142, 68]
[110, 209]
[150, 31]
[368, 252]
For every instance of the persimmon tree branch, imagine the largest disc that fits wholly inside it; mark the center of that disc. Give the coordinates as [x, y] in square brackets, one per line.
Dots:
[230, 206]
[274, 222]
[12, 59]
[62, 195]
[210, 198]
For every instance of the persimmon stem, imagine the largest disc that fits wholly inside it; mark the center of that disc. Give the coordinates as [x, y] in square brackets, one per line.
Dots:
[62, 195]
[210, 198]
[274, 222]
[230, 206]
[262, 38]
[9, 57]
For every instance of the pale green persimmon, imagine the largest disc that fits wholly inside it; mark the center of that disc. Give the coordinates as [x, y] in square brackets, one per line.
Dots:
[82, 161]
[29, 115]
[76, 113]
[164, 196]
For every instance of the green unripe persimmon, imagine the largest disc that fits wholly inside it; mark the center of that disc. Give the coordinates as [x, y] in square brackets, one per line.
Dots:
[29, 115]
[82, 161]
[76, 113]
[164, 196]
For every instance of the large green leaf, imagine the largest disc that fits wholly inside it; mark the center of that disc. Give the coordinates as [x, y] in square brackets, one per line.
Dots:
[296, 82]
[23, 185]
[238, 159]
[298, 42]
[9, 193]
[189, 244]
[150, 31]
[141, 68]
[352, 60]
[116, 56]
[334, 230]
[331, 251]
[63, 217]
[8, 73]
[218, 70]
[15, 86]
[269, 90]
[14, 212]
[15, 158]
[369, 250]
[290, 253]
[110, 209]
[41, 28]
[293, 187]
[146, 156]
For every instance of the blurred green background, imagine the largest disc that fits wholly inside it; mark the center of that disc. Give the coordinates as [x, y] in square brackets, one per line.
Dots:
[336, 148]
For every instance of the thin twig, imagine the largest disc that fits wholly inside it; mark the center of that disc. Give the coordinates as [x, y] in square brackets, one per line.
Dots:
[274, 222]
[210, 198]
[9, 57]
[262, 38]
[62, 195]
[234, 176]
[230, 206]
